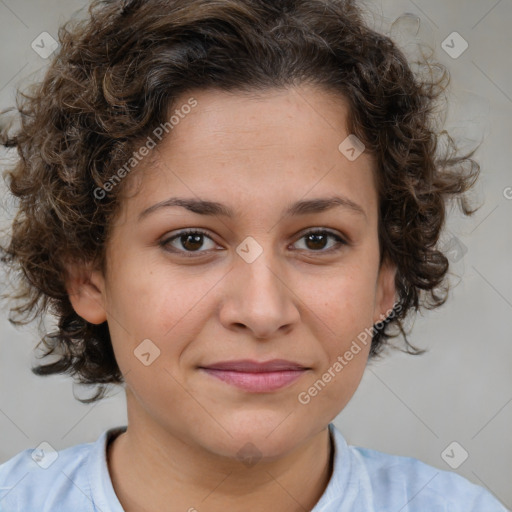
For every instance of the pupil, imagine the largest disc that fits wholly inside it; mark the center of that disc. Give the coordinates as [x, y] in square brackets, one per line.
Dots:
[318, 240]
[314, 237]
[197, 240]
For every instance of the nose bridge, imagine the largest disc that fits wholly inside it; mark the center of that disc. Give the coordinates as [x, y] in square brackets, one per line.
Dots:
[260, 298]
[260, 272]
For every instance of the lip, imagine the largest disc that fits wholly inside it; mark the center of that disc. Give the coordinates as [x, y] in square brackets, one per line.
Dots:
[251, 366]
[254, 376]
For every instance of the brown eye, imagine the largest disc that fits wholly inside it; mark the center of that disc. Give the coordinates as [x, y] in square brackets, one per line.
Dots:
[317, 240]
[190, 241]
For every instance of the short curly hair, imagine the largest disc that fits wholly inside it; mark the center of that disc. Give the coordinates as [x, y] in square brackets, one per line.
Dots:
[117, 75]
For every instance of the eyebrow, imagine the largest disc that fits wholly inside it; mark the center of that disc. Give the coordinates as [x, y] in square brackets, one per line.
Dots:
[213, 208]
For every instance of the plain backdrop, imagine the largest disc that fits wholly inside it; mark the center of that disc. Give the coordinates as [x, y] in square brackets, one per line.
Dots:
[461, 390]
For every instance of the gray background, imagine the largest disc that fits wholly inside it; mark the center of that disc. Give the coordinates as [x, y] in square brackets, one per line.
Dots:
[461, 390]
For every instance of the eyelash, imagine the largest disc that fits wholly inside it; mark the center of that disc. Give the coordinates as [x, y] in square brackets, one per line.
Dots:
[194, 254]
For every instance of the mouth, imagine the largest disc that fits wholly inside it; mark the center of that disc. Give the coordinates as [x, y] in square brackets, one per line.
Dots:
[256, 377]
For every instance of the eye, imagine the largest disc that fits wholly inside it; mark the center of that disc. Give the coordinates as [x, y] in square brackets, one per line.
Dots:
[191, 240]
[316, 239]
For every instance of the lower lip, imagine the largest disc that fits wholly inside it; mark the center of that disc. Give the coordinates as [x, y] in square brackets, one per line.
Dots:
[257, 382]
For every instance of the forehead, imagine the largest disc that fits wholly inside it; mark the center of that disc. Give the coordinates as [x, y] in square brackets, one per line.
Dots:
[221, 118]
[261, 147]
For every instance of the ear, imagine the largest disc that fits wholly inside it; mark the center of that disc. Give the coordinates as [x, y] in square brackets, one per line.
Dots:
[86, 291]
[385, 296]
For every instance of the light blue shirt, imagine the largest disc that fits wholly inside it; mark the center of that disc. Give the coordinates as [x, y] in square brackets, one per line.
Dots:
[76, 479]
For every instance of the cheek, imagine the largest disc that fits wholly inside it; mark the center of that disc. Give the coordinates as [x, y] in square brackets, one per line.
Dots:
[341, 317]
[150, 301]
[340, 312]
[342, 302]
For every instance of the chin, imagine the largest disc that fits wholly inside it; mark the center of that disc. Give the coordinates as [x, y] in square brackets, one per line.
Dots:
[260, 435]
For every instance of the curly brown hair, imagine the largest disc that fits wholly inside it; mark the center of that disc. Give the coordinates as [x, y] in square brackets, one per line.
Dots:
[116, 76]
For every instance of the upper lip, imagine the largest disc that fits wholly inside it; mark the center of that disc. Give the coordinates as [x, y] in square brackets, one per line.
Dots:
[248, 365]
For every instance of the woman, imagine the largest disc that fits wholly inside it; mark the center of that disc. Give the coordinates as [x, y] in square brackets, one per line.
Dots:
[239, 315]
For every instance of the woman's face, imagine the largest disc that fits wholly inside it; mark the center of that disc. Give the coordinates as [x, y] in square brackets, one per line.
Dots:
[257, 285]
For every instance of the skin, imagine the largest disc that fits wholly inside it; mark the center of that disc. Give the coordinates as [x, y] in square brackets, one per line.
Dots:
[298, 300]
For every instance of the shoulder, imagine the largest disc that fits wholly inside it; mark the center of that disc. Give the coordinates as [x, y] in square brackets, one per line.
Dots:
[371, 480]
[408, 482]
[45, 479]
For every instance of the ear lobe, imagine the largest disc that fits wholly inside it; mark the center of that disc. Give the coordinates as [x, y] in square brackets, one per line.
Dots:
[85, 289]
[386, 291]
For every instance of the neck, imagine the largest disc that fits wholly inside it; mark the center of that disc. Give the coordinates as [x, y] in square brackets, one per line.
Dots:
[154, 469]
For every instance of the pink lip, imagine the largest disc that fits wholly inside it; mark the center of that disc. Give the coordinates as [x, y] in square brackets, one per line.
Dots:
[254, 376]
[256, 382]
[251, 366]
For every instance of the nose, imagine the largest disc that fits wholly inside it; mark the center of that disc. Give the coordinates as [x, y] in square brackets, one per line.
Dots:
[259, 297]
